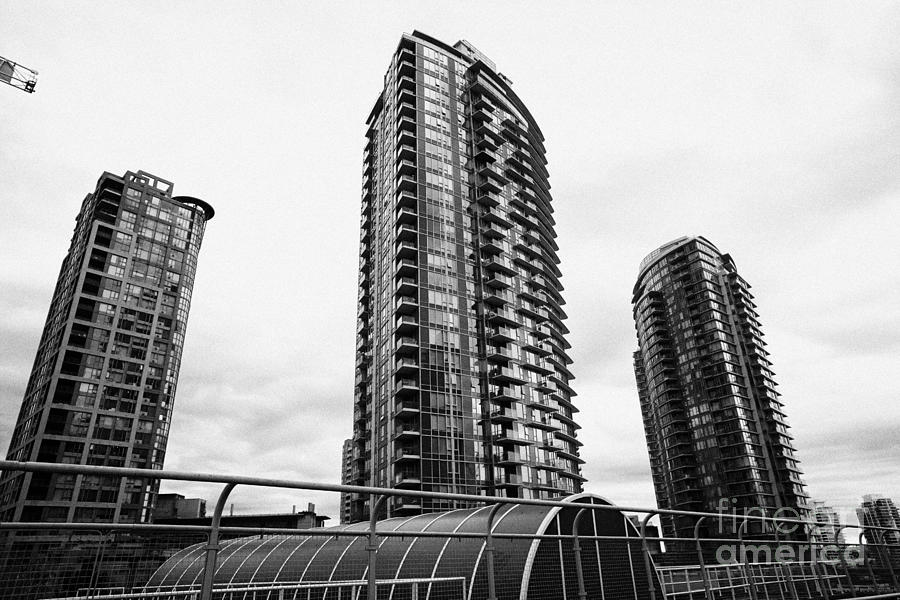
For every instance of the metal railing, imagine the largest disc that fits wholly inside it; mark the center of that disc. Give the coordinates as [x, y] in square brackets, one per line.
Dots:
[673, 568]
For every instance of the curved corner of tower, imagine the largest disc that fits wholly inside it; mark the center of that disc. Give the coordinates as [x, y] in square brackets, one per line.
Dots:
[208, 211]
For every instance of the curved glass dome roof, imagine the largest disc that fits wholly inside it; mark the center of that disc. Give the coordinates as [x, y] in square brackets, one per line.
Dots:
[523, 567]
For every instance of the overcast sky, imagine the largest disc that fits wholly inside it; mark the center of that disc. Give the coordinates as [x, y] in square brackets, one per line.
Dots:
[773, 130]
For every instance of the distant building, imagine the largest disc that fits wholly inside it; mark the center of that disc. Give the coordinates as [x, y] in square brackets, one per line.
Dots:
[102, 387]
[176, 506]
[462, 367]
[346, 479]
[880, 511]
[304, 519]
[828, 531]
[716, 430]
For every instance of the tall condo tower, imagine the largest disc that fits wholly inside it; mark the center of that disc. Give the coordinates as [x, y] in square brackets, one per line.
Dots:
[462, 376]
[881, 519]
[103, 382]
[716, 430]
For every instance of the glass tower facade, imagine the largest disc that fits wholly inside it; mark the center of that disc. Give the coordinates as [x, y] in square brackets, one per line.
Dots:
[462, 376]
[716, 430]
[102, 386]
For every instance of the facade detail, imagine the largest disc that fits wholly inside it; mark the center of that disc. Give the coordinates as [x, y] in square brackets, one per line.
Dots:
[716, 429]
[102, 386]
[462, 375]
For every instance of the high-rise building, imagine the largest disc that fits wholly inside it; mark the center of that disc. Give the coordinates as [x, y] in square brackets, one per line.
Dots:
[103, 383]
[828, 530]
[462, 376]
[346, 479]
[881, 521]
[715, 425]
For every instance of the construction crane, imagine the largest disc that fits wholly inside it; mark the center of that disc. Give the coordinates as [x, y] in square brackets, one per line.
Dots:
[17, 76]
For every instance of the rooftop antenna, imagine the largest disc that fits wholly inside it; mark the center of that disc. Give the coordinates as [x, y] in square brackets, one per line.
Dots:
[17, 76]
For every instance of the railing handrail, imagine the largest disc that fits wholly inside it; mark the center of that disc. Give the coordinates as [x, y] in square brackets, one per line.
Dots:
[193, 589]
[8, 465]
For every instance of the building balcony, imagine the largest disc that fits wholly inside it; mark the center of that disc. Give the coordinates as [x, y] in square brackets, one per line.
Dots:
[406, 324]
[406, 153]
[406, 124]
[497, 280]
[542, 331]
[509, 459]
[406, 183]
[407, 216]
[407, 286]
[506, 415]
[407, 430]
[407, 250]
[492, 246]
[531, 311]
[499, 264]
[496, 215]
[488, 197]
[544, 385]
[505, 395]
[405, 506]
[407, 454]
[406, 268]
[406, 110]
[404, 68]
[406, 96]
[482, 116]
[485, 155]
[499, 355]
[490, 230]
[406, 305]
[486, 130]
[512, 437]
[537, 348]
[541, 420]
[406, 83]
[407, 345]
[407, 388]
[407, 480]
[487, 185]
[406, 167]
[537, 365]
[486, 142]
[496, 297]
[568, 436]
[501, 375]
[502, 316]
[407, 233]
[483, 102]
[488, 171]
[509, 481]
[407, 199]
[405, 367]
[501, 335]
[406, 137]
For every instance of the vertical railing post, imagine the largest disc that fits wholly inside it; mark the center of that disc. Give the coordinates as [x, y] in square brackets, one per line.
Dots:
[98, 559]
[815, 564]
[645, 548]
[785, 569]
[707, 588]
[212, 547]
[843, 559]
[744, 566]
[887, 559]
[489, 551]
[375, 504]
[576, 546]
